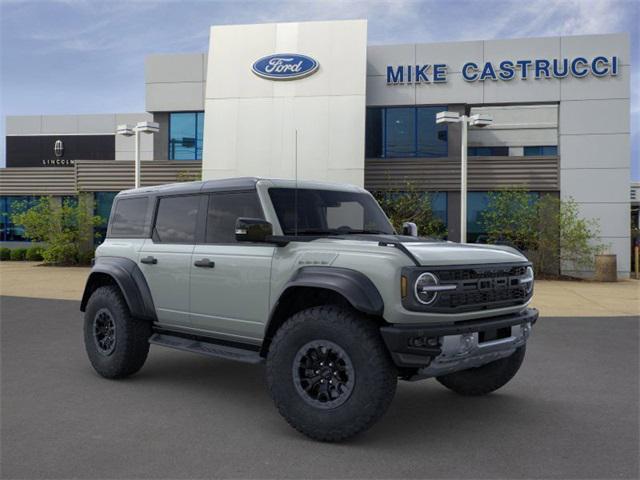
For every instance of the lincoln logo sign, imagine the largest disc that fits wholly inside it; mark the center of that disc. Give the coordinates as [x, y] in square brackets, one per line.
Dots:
[285, 66]
[58, 148]
[505, 70]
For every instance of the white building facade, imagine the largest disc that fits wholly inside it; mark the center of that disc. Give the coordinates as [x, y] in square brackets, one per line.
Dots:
[313, 100]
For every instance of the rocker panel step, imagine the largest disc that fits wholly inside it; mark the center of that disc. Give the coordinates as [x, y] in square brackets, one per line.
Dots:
[205, 348]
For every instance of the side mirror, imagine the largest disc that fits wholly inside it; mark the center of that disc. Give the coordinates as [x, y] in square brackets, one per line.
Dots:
[253, 230]
[410, 229]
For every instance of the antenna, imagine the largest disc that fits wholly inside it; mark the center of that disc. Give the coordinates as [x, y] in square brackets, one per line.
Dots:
[295, 192]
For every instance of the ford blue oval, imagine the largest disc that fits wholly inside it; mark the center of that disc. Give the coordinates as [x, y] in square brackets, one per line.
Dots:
[284, 66]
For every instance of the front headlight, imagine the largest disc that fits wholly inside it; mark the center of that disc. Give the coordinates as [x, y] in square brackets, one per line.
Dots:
[427, 287]
[527, 280]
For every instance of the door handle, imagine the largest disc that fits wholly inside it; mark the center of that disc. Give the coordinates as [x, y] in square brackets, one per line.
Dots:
[149, 260]
[205, 262]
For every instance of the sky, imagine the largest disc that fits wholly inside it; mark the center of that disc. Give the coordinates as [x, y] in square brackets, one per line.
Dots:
[87, 56]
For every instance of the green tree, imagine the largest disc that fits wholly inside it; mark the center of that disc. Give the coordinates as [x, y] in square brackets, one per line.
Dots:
[407, 204]
[510, 218]
[549, 229]
[66, 229]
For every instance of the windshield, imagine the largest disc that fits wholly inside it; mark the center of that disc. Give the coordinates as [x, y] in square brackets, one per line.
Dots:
[328, 212]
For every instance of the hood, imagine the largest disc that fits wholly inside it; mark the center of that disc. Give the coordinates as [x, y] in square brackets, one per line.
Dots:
[446, 253]
[431, 252]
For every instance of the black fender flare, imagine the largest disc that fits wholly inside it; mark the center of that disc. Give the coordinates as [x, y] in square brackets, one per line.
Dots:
[129, 278]
[355, 286]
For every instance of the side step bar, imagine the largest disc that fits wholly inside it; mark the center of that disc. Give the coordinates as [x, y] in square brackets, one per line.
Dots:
[206, 348]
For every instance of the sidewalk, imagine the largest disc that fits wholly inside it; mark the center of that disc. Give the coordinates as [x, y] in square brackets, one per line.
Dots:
[553, 298]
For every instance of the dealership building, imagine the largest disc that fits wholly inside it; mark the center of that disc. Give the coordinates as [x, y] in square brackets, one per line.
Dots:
[313, 100]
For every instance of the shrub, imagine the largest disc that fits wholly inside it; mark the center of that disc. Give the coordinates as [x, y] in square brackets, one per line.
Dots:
[5, 253]
[407, 204]
[85, 258]
[66, 228]
[18, 254]
[34, 254]
[548, 228]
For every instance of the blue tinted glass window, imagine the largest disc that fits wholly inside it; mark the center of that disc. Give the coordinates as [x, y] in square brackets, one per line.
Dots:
[102, 208]
[551, 150]
[400, 138]
[541, 151]
[432, 137]
[477, 202]
[199, 134]
[185, 135]
[439, 205]
[374, 133]
[10, 232]
[405, 132]
[488, 151]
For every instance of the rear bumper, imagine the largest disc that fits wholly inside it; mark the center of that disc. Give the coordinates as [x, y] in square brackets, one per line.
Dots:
[440, 349]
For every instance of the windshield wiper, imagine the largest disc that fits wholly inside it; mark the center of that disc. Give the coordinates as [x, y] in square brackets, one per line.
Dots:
[364, 232]
[313, 232]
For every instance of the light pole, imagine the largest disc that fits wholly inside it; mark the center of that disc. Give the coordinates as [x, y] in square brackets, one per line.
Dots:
[128, 131]
[477, 120]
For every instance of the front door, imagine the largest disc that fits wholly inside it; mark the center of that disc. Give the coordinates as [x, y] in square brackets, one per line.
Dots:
[165, 259]
[230, 280]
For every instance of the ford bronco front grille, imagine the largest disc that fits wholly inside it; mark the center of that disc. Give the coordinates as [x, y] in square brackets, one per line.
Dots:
[476, 288]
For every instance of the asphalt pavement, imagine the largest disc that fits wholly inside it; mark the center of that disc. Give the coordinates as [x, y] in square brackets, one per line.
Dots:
[571, 412]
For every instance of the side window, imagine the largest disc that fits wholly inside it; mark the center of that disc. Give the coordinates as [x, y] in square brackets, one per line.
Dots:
[225, 209]
[129, 217]
[176, 219]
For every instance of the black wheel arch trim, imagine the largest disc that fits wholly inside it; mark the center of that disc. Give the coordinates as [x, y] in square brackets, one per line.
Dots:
[355, 286]
[129, 278]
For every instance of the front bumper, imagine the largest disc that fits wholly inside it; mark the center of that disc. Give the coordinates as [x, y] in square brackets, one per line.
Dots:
[440, 349]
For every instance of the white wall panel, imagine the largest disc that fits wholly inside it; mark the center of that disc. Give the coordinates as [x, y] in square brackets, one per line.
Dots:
[455, 90]
[596, 185]
[175, 97]
[250, 122]
[595, 151]
[594, 117]
[379, 56]
[593, 88]
[594, 45]
[453, 54]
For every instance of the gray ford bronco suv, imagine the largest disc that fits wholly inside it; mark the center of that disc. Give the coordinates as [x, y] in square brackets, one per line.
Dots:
[312, 280]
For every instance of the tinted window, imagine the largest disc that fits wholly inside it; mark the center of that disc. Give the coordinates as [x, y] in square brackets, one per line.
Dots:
[185, 135]
[488, 151]
[374, 132]
[176, 219]
[541, 151]
[432, 137]
[327, 212]
[129, 217]
[225, 209]
[400, 132]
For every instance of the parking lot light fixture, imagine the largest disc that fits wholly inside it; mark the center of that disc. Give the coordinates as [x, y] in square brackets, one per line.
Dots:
[128, 131]
[477, 120]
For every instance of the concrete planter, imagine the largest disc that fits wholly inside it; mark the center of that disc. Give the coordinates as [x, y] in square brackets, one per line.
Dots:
[606, 268]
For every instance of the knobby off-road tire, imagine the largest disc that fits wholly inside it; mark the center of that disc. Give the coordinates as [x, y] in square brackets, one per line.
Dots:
[362, 375]
[117, 344]
[484, 379]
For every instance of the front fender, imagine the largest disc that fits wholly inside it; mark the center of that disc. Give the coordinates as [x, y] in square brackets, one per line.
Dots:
[129, 278]
[356, 287]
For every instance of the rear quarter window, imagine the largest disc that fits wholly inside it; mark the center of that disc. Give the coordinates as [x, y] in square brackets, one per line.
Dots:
[129, 218]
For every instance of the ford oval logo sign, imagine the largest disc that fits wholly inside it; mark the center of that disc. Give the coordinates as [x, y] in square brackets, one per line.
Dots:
[285, 66]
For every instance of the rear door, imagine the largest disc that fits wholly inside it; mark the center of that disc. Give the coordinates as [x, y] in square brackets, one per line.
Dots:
[165, 259]
[229, 280]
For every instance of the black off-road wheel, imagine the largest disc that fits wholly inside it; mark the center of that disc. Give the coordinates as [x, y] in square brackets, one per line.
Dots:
[484, 379]
[329, 373]
[117, 344]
